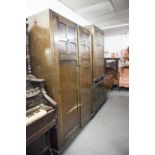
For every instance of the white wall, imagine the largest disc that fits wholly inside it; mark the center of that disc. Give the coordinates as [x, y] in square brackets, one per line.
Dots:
[115, 44]
[35, 6]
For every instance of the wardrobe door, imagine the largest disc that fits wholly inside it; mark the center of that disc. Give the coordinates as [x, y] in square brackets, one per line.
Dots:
[85, 60]
[98, 55]
[101, 54]
[68, 71]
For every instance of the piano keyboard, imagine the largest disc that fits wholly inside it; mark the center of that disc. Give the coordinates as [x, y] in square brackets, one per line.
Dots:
[35, 115]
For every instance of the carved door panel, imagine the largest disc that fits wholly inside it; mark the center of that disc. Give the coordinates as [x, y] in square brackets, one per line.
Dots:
[98, 55]
[95, 56]
[68, 68]
[101, 54]
[85, 74]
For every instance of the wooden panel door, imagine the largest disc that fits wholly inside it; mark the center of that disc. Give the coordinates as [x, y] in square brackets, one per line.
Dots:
[98, 55]
[68, 70]
[85, 60]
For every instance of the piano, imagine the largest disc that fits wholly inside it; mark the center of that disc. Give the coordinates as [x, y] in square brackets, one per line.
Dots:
[40, 112]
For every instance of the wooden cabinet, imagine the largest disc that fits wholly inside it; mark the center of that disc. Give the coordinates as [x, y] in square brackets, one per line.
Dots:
[99, 91]
[40, 146]
[54, 57]
[97, 52]
[66, 48]
[124, 77]
[71, 60]
[124, 69]
[111, 72]
[85, 72]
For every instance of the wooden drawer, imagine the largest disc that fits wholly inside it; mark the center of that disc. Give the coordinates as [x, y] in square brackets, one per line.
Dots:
[99, 95]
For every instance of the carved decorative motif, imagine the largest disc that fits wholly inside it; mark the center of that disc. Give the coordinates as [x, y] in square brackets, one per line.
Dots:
[29, 74]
